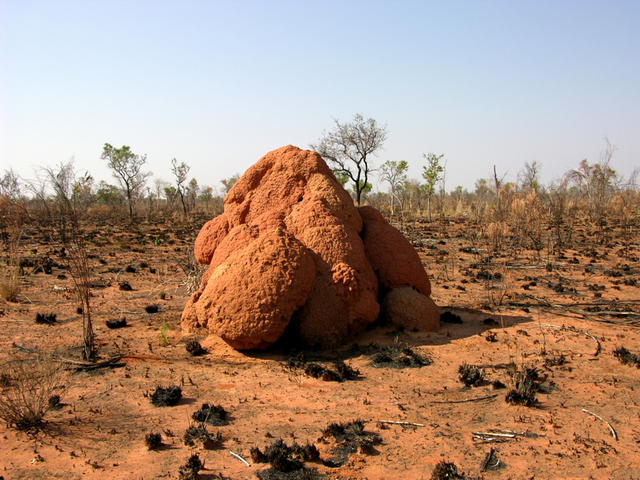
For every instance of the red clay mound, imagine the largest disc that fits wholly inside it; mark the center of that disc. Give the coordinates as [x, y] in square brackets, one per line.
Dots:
[288, 251]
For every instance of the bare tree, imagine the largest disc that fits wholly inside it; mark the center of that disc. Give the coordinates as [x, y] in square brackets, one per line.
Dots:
[63, 180]
[349, 147]
[597, 182]
[529, 176]
[498, 183]
[126, 168]
[395, 174]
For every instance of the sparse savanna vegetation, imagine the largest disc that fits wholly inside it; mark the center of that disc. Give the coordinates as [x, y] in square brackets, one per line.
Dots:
[533, 372]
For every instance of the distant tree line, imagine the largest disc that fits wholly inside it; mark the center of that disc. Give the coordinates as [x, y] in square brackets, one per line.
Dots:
[519, 210]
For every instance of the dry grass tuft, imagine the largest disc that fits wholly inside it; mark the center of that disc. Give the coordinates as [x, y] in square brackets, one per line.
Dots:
[10, 284]
[10, 277]
[26, 390]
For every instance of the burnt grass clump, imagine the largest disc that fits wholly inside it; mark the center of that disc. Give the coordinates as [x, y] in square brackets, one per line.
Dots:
[194, 348]
[351, 438]
[212, 414]
[287, 462]
[199, 434]
[470, 375]
[339, 373]
[116, 323]
[524, 387]
[166, 397]
[626, 357]
[448, 317]
[447, 471]
[46, 318]
[555, 361]
[153, 308]
[396, 356]
[153, 440]
[189, 471]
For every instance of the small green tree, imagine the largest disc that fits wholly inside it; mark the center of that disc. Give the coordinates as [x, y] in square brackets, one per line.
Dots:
[193, 190]
[432, 172]
[395, 174]
[126, 168]
[180, 172]
[342, 177]
[228, 183]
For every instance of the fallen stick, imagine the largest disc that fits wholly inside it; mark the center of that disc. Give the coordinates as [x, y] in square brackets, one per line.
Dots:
[83, 365]
[599, 347]
[492, 436]
[240, 458]
[613, 432]
[477, 399]
[487, 462]
[399, 423]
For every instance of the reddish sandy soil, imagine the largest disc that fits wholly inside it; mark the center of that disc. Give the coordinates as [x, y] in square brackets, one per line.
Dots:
[575, 311]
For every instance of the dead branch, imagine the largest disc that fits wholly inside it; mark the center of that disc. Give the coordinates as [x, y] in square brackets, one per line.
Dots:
[613, 432]
[82, 365]
[477, 399]
[399, 423]
[240, 458]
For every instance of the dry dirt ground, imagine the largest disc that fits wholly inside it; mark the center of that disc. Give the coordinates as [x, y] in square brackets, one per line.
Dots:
[559, 320]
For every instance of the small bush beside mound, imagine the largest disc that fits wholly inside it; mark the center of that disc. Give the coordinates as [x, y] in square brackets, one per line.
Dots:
[339, 373]
[448, 317]
[194, 348]
[395, 356]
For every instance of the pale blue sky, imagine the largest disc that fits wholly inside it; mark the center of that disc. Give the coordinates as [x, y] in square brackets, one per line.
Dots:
[217, 84]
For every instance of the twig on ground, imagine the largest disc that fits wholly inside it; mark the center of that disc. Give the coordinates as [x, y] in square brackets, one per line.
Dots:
[599, 347]
[477, 399]
[240, 458]
[399, 423]
[82, 365]
[490, 461]
[613, 432]
[503, 436]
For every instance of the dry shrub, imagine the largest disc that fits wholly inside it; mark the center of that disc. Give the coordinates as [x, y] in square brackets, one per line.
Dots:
[500, 285]
[10, 283]
[496, 234]
[10, 277]
[26, 390]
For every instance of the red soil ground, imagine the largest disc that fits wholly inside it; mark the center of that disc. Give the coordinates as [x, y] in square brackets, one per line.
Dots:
[563, 317]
